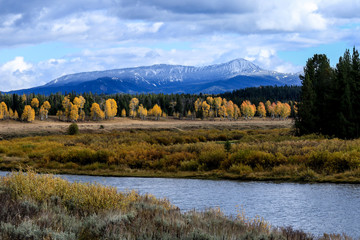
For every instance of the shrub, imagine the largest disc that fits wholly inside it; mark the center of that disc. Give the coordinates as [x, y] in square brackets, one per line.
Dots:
[212, 159]
[73, 129]
[191, 165]
[240, 169]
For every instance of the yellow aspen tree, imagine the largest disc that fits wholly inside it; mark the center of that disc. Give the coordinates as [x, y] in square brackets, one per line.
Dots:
[217, 105]
[197, 105]
[134, 102]
[272, 110]
[237, 112]
[107, 110]
[156, 112]
[244, 107]
[123, 112]
[229, 109]
[44, 110]
[42, 113]
[210, 101]
[252, 110]
[16, 115]
[76, 101]
[278, 108]
[268, 106]
[74, 112]
[4, 113]
[96, 112]
[67, 107]
[224, 101]
[110, 108]
[35, 103]
[261, 110]
[142, 112]
[28, 114]
[222, 111]
[164, 115]
[205, 109]
[80, 102]
[11, 113]
[285, 110]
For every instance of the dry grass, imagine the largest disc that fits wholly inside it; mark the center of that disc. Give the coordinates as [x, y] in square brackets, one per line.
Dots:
[10, 129]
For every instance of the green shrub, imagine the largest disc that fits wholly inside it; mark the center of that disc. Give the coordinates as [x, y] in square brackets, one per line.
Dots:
[212, 159]
[73, 129]
[191, 165]
[240, 169]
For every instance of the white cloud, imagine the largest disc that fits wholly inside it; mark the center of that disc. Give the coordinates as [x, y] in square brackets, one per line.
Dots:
[123, 33]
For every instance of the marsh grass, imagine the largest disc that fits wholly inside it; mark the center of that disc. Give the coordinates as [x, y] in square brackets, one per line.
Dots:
[46, 207]
[272, 154]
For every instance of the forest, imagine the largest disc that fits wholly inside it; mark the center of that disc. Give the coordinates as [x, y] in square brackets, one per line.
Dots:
[330, 97]
[71, 107]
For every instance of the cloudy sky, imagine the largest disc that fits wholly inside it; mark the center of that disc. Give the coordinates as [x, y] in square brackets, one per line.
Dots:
[41, 39]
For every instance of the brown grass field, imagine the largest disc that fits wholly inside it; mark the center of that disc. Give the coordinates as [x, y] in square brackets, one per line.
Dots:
[10, 129]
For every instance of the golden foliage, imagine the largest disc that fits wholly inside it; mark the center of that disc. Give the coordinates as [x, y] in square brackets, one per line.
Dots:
[110, 108]
[261, 110]
[134, 102]
[4, 113]
[96, 113]
[28, 114]
[156, 112]
[35, 103]
[123, 113]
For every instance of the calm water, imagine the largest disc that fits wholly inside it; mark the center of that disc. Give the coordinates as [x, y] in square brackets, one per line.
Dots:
[315, 208]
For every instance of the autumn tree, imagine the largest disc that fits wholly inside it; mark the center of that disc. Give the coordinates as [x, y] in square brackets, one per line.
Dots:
[28, 114]
[96, 113]
[35, 104]
[80, 103]
[237, 112]
[229, 109]
[205, 109]
[123, 113]
[261, 110]
[134, 102]
[156, 112]
[44, 110]
[110, 108]
[247, 109]
[217, 105]
[4, 113]
[142, 112]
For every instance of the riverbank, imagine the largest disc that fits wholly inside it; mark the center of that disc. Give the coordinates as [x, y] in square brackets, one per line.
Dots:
[46, 207]
[247, 155]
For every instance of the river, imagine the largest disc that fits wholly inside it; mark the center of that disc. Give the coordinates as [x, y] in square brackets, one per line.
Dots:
[315, 208]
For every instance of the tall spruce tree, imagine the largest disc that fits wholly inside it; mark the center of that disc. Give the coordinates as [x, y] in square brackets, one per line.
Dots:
[330, 99]
[313, 115]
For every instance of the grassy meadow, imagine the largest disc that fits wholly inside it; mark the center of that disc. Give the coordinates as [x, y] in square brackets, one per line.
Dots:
[252, 154]
[46, 207]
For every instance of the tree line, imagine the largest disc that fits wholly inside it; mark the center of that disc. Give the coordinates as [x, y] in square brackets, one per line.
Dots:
[330, 98]
[177, 105]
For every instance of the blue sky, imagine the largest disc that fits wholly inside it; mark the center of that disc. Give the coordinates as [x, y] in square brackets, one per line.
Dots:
[42, 40]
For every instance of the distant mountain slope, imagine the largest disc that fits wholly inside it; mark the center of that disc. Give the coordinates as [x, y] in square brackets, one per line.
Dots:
[163, 78]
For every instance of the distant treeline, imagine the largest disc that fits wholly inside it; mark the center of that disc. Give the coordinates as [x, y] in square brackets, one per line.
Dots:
[169, 103]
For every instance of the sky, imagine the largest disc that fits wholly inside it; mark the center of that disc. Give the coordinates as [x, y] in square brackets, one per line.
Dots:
[41, 40]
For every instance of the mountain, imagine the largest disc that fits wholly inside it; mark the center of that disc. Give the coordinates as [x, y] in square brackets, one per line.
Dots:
[162, 78]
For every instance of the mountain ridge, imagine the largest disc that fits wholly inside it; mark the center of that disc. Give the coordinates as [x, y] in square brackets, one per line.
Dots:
[165, 78]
